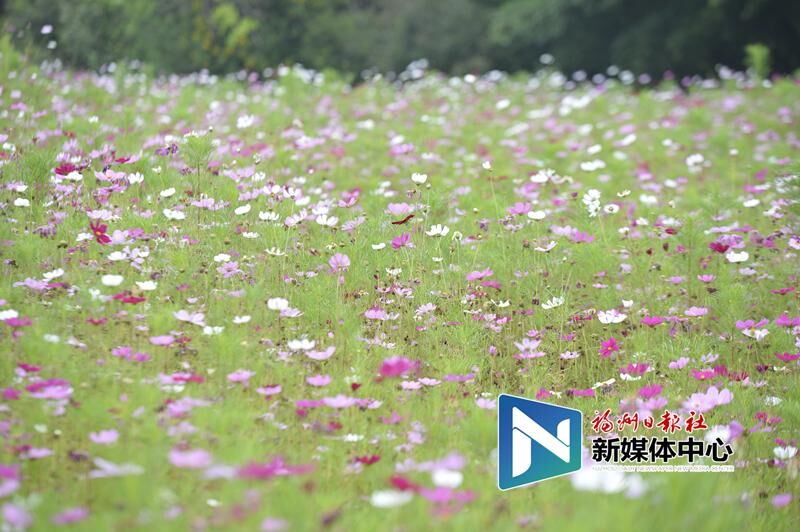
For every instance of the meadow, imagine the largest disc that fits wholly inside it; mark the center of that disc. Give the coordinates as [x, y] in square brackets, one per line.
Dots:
[291, 303]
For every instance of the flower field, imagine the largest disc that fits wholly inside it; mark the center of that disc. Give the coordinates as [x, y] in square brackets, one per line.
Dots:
[291, 304]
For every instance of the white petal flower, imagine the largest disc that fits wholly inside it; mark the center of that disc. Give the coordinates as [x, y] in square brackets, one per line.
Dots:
[111, 280]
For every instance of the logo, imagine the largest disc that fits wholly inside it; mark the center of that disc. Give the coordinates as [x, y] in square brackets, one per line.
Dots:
[536, 441]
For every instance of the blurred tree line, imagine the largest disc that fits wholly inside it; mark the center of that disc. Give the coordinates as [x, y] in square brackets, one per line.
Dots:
[457, 36]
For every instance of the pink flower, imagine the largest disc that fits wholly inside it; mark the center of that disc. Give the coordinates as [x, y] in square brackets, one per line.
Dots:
[652, 321]
[190, 459]
[703, 374]
[397, 366]
[104, 437]
[781, 500]
[695, 312]
[275, 468]
[703, 402]
[240, 375]
[70, 516]
[269, 391]
[162, 340]
[403, 240]
[609, 347]
[319, 380]
[339, 263]
[679, 364]
[474, 276]
[650, 391]
[486, 404]
[16, 516]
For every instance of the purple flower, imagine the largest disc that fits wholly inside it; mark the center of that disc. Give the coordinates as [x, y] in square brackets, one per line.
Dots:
[339, 263]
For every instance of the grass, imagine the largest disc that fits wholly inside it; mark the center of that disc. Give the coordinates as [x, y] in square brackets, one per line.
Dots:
[321, 141]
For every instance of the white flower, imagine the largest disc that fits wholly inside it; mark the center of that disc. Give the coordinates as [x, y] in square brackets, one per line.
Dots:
[753, 202]
[111, 280]
[419, 178]
[785, 453]
[445, 478]
[611, 208]
[238, 320]
[250, 234]
[210, 331]
[438, 230]
[695, 161]
[222, 257]
[8, 314]
[146, 286]
[733, 256]
[269, 216]
[328, 221]
[536, 215]
[591, 166]
[487, 165]
[542, 176]
[21, 202]
[611, 316]
[51, 338]
[277, 303]
[275, 252]
[174, 215]
[544, 249]
[133, 179]
[553, 303]
[304, 344]
[390, 498]
[84, 236]
[245, 121]
[117, 256]
[244, 209]
[378, 247]
[167, 193]
[53, 274]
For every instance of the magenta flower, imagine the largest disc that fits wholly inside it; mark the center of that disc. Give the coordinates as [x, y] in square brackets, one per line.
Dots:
[403, 240]
[650, 391]
[276, 468]
[609, 347]
[652, 321]
[397, 366]
[703, 374]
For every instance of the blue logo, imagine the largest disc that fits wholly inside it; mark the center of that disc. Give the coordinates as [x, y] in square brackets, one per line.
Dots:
[536, 441]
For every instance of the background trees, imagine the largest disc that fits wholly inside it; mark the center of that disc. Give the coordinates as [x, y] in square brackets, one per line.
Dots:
[458, 36]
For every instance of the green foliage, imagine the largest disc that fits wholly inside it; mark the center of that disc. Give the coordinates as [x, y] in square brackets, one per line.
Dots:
[685, 36]
[757, 59]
